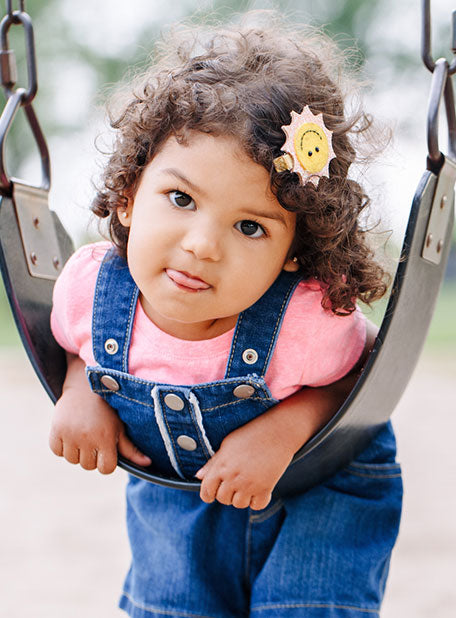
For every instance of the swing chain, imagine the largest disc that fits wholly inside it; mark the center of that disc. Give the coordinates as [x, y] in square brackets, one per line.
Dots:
[19, 97]
[8, 69]
[426, 53]
[9, 7]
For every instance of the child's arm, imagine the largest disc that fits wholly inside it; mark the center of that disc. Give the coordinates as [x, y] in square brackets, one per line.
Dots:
[251, 459]
[85, 429]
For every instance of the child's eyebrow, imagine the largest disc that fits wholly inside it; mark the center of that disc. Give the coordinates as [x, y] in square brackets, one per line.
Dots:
[276, 216]
[177, 174]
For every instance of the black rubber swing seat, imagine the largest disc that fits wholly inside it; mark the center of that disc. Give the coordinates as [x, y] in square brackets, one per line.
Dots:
[34, 246]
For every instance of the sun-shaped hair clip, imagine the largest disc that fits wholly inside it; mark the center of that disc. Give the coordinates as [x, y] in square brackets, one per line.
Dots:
[308, 147]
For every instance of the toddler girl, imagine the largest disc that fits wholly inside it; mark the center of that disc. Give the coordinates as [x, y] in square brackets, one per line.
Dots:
[226, 296]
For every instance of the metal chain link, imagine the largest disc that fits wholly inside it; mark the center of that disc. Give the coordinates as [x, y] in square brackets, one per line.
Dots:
[9, 7]
[426, 53]
[8, 70]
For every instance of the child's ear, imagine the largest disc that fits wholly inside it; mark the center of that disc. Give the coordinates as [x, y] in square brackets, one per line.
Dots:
[124, 214]
[291, 265]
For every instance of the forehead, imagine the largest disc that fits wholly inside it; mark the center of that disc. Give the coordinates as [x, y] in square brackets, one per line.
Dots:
[213, 163]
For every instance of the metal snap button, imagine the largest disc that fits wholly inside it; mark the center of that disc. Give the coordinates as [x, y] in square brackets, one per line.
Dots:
[187, 443]
[111, 346]
[110, 383]
[243, 391]
[250, 356]
[174, 402]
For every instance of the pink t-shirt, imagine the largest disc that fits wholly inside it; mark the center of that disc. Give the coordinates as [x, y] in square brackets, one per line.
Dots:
[314, 346]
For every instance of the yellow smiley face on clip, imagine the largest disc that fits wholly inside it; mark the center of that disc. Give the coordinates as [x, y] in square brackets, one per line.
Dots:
[311, 147]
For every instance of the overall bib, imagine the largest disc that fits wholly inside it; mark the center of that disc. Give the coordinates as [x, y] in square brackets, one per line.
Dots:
[322, 553]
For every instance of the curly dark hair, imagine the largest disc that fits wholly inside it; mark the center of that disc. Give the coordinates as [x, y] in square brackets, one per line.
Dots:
[244, 82]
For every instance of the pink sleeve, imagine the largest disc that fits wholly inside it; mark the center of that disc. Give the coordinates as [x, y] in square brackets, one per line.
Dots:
[316, 346]
[73, 298]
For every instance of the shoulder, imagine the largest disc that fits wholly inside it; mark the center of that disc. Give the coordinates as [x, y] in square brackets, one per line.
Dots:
[324, 346]
[73, 292]
[87, 258]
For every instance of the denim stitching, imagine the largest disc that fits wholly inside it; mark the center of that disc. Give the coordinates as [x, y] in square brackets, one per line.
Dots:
[198, 424]
[272, 510]
[260, 608]
[232, 381]
[372, 466]
[233, 403]
[248, 542]
[126, 347]
[374, 476]
[279, 318]
[175, 451]
[106, 391]
[168, 441]
[164, 612]
[130, 378]
[233, 345]
[101, 391]
[95, 309]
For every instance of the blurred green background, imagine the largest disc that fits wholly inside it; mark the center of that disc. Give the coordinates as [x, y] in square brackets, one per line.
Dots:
[84, 48]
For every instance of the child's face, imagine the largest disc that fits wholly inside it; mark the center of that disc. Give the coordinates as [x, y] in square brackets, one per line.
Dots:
[207, 236]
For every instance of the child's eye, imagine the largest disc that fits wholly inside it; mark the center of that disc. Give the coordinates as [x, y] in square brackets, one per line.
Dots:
[250, 228]
[181, 200]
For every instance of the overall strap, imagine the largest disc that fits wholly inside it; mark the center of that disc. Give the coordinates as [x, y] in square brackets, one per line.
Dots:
[258, 327]
[114, 305]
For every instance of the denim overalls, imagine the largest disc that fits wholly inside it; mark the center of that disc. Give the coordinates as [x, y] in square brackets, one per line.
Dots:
[323, 553]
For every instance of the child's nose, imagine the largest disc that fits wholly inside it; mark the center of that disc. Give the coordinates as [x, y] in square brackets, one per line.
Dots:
[203, 241]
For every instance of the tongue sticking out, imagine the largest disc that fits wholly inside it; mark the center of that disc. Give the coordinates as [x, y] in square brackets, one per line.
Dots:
[183, 279]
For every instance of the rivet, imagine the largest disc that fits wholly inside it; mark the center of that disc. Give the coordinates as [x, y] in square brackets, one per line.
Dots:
[111, 346]
[443, 201]
[250, 356]
[174, 402]
[439, 246]
[56, 263]
[33, 258]
[429, 240]
[187, 443]
[243, 391]
[110, 383]
[36, 222]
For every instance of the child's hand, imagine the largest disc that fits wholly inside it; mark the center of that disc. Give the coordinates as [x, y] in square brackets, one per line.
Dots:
[86, 430]
[246, 468]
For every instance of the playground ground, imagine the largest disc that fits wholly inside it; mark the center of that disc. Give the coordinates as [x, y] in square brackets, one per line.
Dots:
[63, 548]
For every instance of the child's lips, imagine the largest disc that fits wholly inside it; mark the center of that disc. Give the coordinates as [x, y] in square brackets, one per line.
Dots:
[186, 280]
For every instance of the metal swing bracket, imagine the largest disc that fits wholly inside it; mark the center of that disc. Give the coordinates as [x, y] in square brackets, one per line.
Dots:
[35, 221]
[443, 166]
[37, 231]
[440, 215]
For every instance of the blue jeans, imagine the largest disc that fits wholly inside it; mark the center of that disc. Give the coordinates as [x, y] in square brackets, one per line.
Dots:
[322, 554]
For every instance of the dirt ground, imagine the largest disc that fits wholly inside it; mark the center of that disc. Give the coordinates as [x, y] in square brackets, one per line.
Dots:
[63, 547]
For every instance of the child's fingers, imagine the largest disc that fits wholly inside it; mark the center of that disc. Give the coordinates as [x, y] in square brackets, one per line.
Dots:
[225, 493]
[260, 501]
[128, 450]
[107, 460]
[240, 500]
[70, 453]
[56, 445]
[209, 487]
[88, 458]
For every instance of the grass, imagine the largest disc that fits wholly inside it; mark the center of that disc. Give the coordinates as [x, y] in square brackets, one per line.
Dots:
[442, 333]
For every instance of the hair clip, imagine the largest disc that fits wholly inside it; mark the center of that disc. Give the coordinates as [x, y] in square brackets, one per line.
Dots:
[308, 147]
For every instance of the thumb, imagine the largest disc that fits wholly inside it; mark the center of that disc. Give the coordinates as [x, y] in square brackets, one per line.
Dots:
[128, 450]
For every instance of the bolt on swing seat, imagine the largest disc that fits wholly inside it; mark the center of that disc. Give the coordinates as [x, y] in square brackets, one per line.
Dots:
[34, 246]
